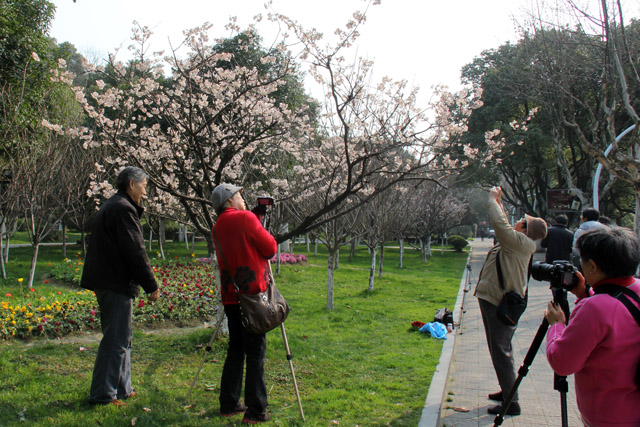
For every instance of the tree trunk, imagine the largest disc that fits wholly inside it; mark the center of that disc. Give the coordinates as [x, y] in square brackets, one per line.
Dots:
[4, 271]
[161, 237]
[6, 249]
[315, 247]
[336, 260]
[150, 237]
[84, 242]
[330, 264]
[34, 259]
[372, 269]
[162, 232]
[423, 250]
[401, 242]
[278, 253]
[306, 240]
[428, 248]
[211, 249]
[352, 252]
[381, 260]
[64, 239]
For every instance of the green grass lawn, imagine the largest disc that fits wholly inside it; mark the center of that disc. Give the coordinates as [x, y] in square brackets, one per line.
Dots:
[359, 364]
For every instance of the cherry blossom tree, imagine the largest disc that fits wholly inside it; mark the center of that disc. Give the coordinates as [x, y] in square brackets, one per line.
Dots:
[213, 121]
[380, 222]
[367, 132]
[438, 211]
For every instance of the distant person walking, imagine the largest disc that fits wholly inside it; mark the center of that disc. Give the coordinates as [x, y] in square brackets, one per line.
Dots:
[589, 221]
[115, 267]
[559, 241]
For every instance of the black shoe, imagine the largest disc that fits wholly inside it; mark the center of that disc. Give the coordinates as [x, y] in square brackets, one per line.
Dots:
[496, 396]
[240, 409]
[514, 409]
[255, 419]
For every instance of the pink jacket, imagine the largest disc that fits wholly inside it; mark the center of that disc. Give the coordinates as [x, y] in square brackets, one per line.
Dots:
[601, 345]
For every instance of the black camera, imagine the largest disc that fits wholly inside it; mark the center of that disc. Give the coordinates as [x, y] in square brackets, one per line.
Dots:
[262, 203]
[560, 274]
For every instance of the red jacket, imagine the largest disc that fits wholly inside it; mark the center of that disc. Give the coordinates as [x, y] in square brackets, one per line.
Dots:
[246, 247]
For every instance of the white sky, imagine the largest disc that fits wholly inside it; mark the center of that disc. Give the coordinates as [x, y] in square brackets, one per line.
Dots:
[423, 41]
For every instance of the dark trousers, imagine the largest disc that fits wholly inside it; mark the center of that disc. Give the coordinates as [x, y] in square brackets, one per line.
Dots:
[112, 369]
[499, 336]
[243, 345]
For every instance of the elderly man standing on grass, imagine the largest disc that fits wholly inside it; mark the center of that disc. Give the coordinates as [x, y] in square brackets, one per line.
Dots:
[115, 267]
[515, 246]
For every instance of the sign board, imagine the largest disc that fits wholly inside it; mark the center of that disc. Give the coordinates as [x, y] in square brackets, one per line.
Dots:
[560, 200]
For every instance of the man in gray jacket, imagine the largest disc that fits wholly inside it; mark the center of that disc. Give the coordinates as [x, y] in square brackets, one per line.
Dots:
[515, 246]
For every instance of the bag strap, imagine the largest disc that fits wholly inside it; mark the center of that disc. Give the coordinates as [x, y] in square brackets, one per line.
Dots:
[233, 279]
[619, 292]
[501, 279]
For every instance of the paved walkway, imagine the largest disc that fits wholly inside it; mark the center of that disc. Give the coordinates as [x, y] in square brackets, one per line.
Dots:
[465, 375]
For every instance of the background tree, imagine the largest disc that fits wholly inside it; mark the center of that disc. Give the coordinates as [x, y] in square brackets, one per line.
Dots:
[564, 69]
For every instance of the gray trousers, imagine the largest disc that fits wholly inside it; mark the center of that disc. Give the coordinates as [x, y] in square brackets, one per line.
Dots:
[112, 370]
[499, 338]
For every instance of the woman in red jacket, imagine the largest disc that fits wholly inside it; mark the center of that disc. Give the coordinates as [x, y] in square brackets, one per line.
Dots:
[244, 248]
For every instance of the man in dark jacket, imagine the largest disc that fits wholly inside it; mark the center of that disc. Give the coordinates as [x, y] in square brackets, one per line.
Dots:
[559, 241]
[115, 267]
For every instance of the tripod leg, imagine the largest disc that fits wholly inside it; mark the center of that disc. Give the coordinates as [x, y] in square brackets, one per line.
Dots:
[293, 374]
[219, 319]
[523, 371]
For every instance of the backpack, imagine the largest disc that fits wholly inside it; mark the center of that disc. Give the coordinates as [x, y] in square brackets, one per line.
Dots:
[444, 316]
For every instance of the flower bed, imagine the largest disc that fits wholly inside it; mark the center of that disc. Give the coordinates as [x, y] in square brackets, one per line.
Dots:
[187, 292]
[287, 258]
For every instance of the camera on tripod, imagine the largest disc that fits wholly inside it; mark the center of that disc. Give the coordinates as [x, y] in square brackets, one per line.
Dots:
[265, 201]
[560, 274]
[260, 209]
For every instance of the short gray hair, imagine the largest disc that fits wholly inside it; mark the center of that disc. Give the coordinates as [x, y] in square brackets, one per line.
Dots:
[127, 174]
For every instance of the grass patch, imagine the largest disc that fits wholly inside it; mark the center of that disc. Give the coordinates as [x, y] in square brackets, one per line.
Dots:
[359, 364]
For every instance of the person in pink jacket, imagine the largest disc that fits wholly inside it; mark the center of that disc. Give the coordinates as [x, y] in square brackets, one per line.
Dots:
[601, 343]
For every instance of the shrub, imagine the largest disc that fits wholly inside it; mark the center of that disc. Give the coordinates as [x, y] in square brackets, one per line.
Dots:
[458, 242]
[287, 258]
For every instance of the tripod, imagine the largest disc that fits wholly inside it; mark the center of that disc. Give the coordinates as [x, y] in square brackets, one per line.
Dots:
[559, 382]
[467, 285]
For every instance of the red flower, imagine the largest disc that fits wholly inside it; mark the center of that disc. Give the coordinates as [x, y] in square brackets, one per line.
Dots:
[8, 295]
[141, 304]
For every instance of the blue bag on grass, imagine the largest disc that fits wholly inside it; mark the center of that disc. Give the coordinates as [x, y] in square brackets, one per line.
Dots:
[436, 329]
